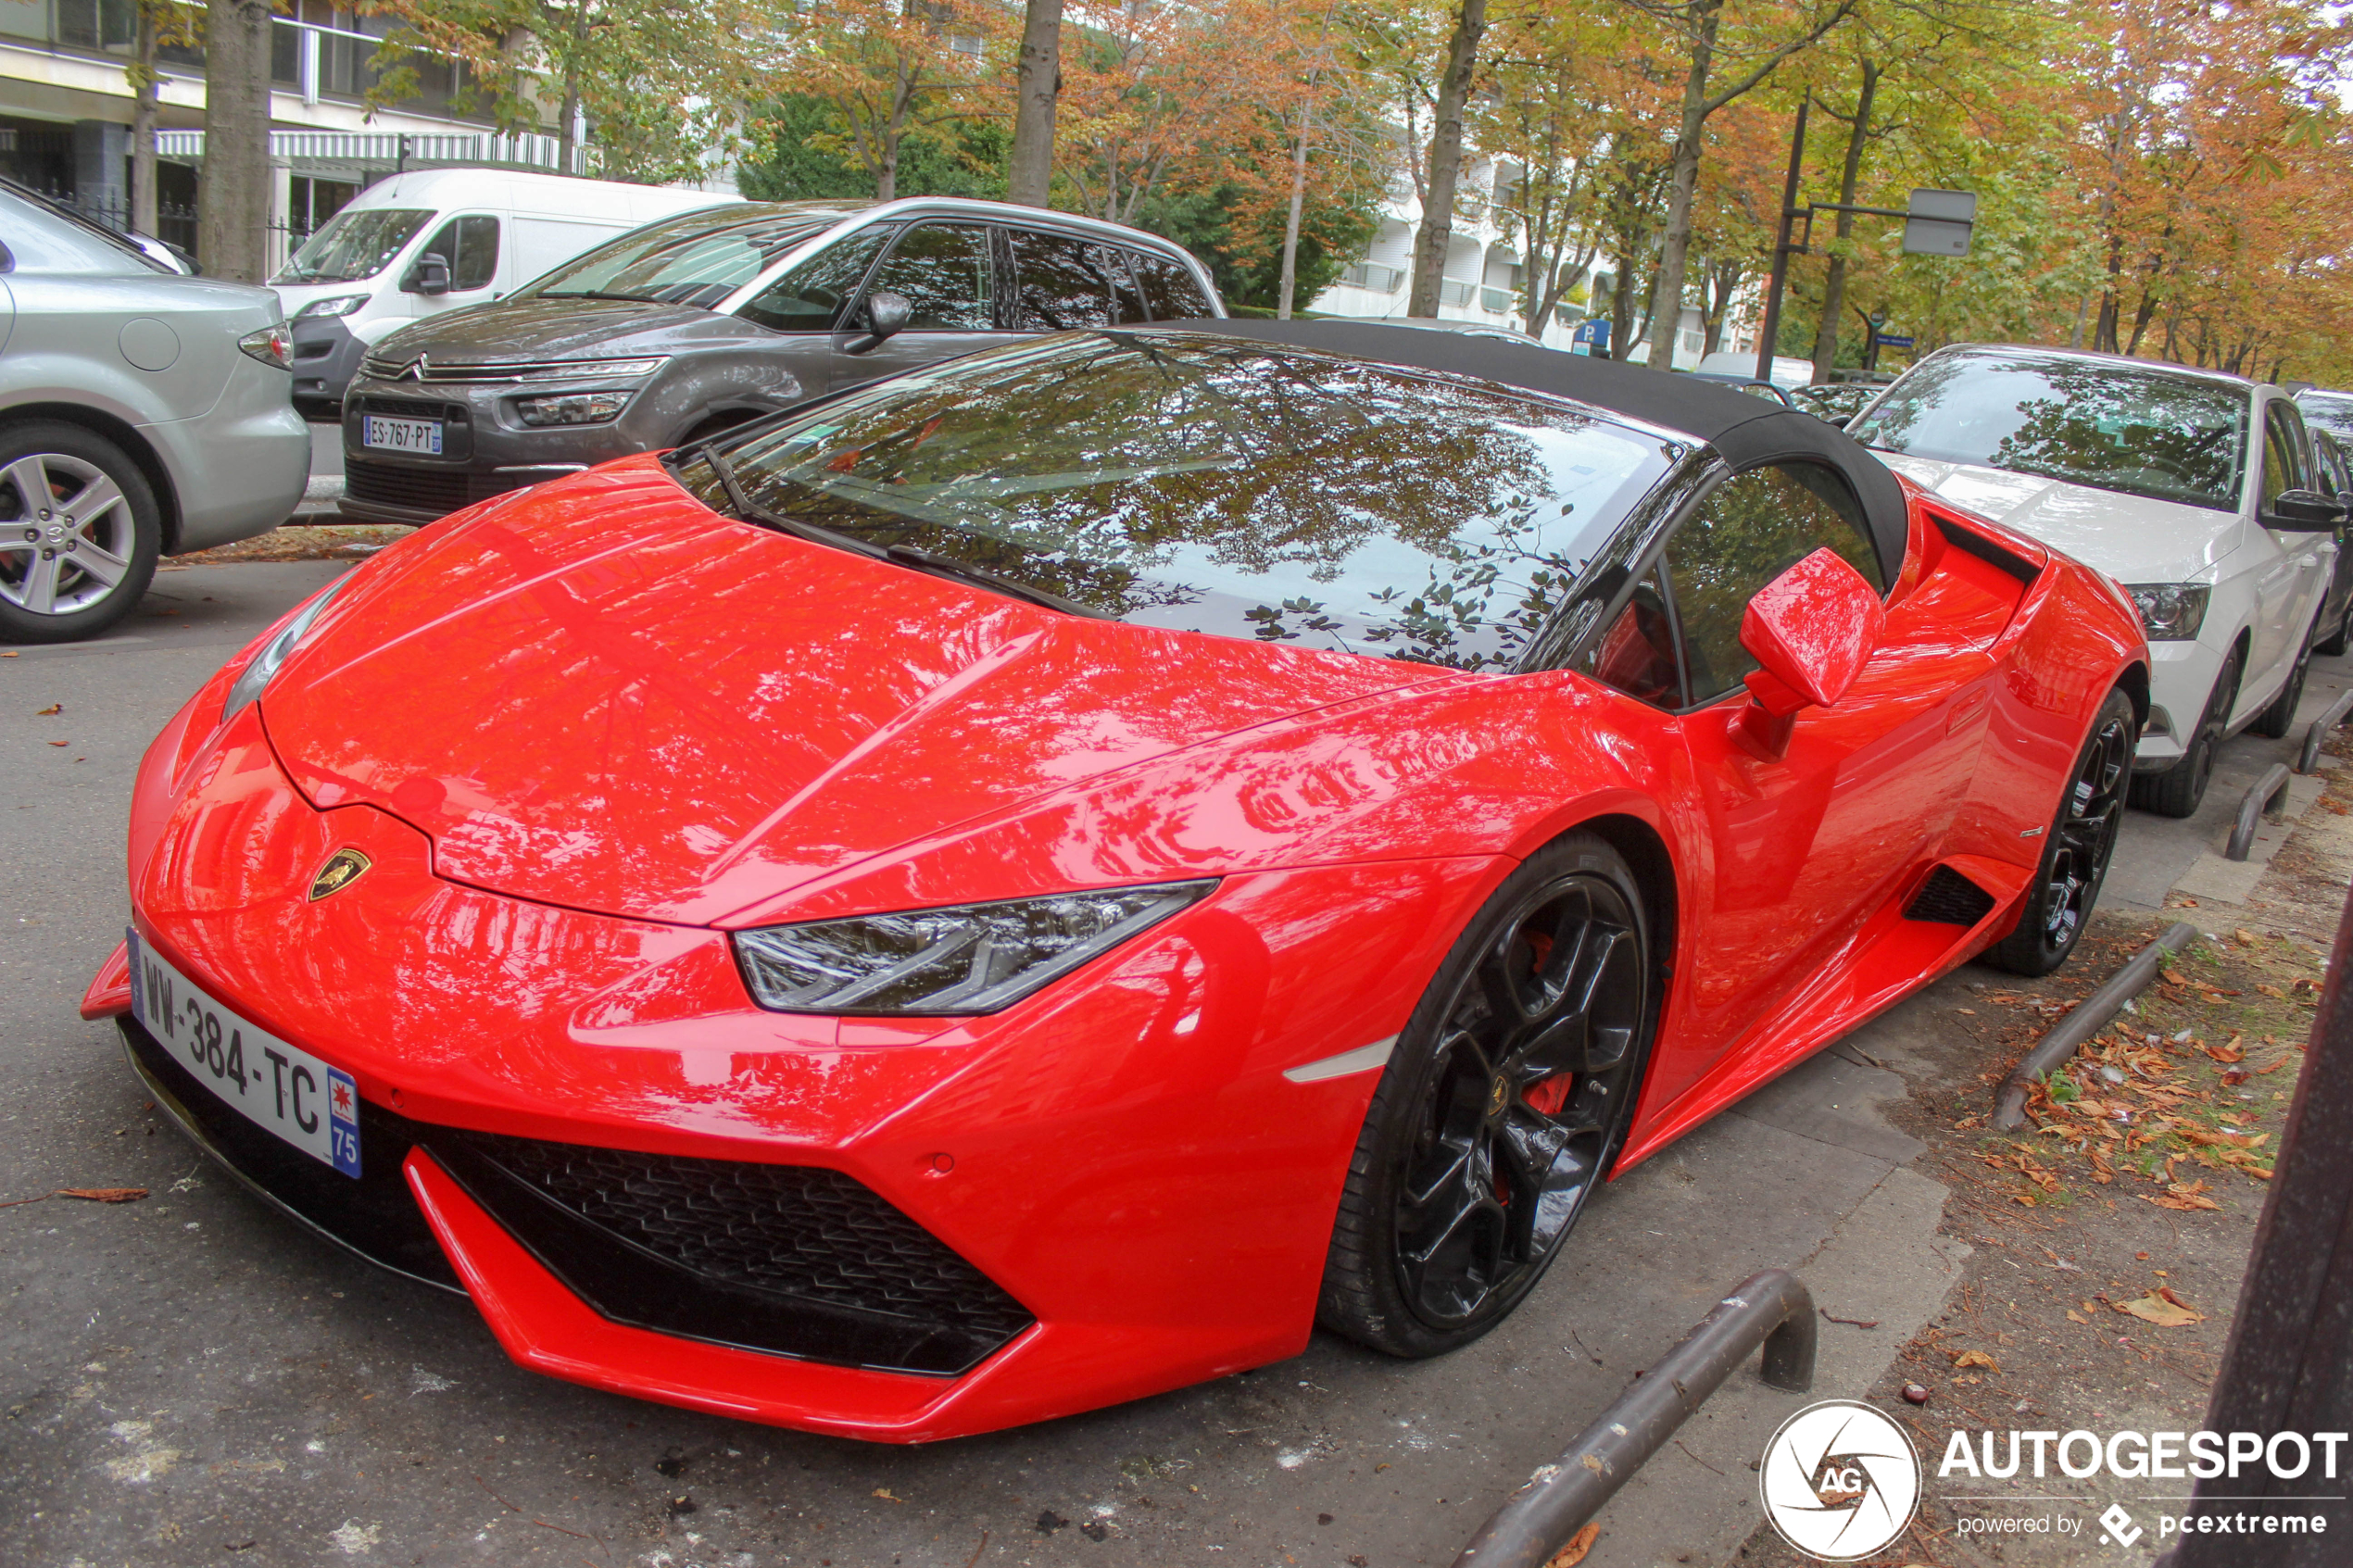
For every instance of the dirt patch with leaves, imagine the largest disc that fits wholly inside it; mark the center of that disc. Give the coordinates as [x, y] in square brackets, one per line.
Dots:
[2111, 1231]
[299, 541]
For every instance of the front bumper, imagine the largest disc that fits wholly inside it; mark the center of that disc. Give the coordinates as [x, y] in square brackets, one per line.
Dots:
[1107, 1192]
[326, 356]
[2182, 676]
[485, 449]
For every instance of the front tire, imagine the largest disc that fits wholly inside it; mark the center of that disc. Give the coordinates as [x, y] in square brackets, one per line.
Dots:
[2081, 842]
[1505, 1103]
[80, 533]
[2177, 791]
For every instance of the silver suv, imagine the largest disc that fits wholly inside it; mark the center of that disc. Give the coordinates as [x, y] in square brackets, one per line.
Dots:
[142, 414]
[694, 323]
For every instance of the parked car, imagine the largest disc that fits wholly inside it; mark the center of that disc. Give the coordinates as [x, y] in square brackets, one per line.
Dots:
[705, 321]
[2333, 468]
[417, 244]
[1031, 884]
[142, 413]
[1769, 392]
[2193, 488]
[1725, 365]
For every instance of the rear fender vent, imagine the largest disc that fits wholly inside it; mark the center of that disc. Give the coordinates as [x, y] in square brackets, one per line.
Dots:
[1949, 899]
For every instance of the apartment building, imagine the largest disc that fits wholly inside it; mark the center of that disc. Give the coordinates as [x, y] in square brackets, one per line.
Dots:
[66, 111]
[1486, 273]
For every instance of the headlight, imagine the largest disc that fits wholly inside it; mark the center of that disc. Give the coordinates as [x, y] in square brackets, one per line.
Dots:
[597, 370]
[2172, 612]
[342, 305]
[946, 962]
[571, 408]
[272, 346]
[263, 665]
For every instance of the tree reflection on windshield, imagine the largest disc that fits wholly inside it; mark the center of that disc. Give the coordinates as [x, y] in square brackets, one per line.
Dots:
[1192, 481]
[2087, 421]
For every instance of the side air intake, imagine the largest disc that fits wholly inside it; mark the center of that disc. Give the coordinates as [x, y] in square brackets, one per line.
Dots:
[1949, 899]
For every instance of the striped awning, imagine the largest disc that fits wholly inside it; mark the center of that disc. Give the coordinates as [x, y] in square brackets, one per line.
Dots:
[384, 150]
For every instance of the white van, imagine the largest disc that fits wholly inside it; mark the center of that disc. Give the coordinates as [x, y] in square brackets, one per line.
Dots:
[418, 244]
[1788, 372]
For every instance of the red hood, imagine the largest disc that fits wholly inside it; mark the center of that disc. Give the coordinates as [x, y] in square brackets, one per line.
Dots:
[604, 695]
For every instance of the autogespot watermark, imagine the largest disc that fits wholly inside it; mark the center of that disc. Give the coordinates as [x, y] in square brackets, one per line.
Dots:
[1841, 1480]
[2247, 1458]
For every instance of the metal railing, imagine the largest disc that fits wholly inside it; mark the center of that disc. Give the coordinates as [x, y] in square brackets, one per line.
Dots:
[1498, 301]
[1452, 293]
[1372, 275]
[2269, 787]
[1772, 1308]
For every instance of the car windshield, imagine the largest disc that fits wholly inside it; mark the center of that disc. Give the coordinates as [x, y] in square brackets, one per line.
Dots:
[2331, 411]
[2086, 422]
[1197, 482]
[690, 260]
[354, 245]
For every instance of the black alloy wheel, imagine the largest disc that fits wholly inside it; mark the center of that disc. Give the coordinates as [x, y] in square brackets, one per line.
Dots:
[1502, 1108]
[2082, 841]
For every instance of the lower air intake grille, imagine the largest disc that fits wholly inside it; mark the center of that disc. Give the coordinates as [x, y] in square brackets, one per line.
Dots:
[1949, 899]
[792, 1258]
[438, 490]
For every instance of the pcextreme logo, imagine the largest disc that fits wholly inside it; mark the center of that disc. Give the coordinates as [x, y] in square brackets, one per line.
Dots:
[1840, 1480]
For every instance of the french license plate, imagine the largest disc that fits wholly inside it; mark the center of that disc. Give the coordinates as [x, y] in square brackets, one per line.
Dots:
[401, 435]
[280, 1087]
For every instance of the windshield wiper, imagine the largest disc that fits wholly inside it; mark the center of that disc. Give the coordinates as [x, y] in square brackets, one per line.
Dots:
[598, 293]
[904, 555]
[948, 566]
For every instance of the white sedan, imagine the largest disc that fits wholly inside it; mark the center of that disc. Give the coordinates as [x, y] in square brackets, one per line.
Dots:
[2191, 488]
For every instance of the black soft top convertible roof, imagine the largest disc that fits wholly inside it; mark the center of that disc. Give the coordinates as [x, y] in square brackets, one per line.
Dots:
[1744, 430]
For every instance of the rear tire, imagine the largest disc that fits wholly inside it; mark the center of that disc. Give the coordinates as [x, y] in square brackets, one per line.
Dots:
[2177, 791]
[1503, 1105]
[80, 533]
[2336, 642]
[2077, 849]
[2278, 719]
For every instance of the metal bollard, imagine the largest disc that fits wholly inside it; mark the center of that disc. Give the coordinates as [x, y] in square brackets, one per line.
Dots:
[2329, 720]
[2272, 784]
[1772, 1308]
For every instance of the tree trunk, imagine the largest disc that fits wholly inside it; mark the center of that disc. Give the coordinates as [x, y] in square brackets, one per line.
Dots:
[1289, 282]
[143, 125]
[1834, 286]
[1445, 159]
[1666, 294]
[567, 135]
[234, 234]
[1029, 168]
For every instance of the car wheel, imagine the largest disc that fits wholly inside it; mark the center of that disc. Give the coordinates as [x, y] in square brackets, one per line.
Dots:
[2177, 791]
[2280, 717]
[2082, 841]
[2336, 641]
[1503, 1105]
[79, 533]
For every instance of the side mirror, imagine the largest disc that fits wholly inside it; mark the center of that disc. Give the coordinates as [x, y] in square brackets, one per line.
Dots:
[430, 275]
[886, 316]
[2302, 511]
[1811, 628]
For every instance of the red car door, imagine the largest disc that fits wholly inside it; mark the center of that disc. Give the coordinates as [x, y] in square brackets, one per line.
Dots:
[1797, 851]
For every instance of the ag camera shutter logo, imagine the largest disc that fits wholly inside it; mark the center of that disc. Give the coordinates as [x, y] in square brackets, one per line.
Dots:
[1840, 1480]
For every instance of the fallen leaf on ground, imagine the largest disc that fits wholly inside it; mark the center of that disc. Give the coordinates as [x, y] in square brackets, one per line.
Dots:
[2184, 1197]
[105, 1195]
[2230, 1052]
[2074, 1316]
[1579, 1545]
[62, 742]
[2173, 977]
[1975, 1358]
[2158, 1308]
[2272, 991]
[884, 1493]
[2246, 938]
[49, 713]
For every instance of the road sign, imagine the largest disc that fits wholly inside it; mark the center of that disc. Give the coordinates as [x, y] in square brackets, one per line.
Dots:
[1938, 222]
[1591, 337]
[1889, 340]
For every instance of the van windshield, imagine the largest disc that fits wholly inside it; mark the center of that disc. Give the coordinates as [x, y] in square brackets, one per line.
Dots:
[689, 260]
[354, 245]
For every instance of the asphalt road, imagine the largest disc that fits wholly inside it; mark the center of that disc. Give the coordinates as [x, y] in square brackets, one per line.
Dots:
[190, 1380]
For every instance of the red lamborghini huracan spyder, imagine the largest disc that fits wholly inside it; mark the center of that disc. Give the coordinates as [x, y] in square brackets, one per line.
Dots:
[1037, 881]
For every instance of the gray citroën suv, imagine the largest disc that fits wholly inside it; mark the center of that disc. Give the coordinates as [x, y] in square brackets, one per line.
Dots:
[707, 319]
